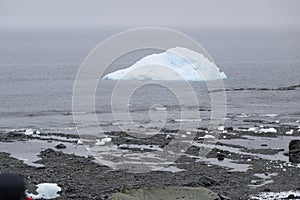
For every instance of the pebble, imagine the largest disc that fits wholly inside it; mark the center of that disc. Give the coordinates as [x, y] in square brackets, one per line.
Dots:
[60, 146]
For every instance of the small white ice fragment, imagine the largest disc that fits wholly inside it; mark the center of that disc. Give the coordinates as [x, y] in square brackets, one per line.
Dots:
[29, 132]
[102, 141]
[268, 130]
[79, 142]
[207, 137]
[46, 191]
[290, 132]
[252, 129]
[221, 128]
[160, 108]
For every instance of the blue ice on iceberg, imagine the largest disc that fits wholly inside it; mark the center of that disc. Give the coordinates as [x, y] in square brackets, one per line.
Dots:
[174, 64]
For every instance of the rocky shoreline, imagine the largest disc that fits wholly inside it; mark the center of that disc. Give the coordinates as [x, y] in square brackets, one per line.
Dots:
[242, 165]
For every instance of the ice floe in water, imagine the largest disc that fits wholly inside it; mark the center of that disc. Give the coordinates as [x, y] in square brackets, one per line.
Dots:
[277, 195]
[174, 64]
[46, 191]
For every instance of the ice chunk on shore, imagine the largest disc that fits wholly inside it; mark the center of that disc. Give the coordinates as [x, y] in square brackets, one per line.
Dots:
[174, 64]
[277, 195]
[29, 132]
[103, 141]
[290, 132]
[207, 137]
[46, 191]
[268, 130]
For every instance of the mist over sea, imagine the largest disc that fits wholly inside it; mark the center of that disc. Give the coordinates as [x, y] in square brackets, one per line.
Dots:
[38, 69]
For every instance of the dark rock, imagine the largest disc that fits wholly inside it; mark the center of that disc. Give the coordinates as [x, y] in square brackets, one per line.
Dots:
[206, 181]
[60, 146]
[254, 120]
[220, 157]
[294, 153]
[264, 145]
[294, 144]
[229, 128]
[291, 196]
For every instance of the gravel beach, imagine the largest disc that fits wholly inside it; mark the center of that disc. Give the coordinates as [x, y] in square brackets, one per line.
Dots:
[232, 169]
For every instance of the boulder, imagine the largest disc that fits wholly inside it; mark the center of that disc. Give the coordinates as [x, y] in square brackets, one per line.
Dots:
[294, 151]
[294, 144]
[60, 146]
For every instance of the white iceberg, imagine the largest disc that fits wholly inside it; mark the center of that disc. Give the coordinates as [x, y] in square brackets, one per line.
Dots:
[46, 191]
[174, 64]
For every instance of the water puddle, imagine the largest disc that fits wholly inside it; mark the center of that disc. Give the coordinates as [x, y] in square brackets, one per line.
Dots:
[264, 179]
[28, 151]
[227, 163]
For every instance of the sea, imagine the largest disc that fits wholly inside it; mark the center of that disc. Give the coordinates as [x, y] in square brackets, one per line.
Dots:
[38, 68]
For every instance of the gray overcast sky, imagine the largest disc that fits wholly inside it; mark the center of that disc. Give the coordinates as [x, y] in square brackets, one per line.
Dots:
[194, 13]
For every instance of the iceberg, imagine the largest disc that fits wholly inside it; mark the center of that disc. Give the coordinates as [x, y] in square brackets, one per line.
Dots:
[174, 64]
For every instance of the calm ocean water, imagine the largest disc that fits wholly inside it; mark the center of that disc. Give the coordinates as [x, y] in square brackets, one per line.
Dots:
[38, 69]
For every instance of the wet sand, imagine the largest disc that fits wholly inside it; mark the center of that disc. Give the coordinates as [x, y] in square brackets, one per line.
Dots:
[243, 163]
